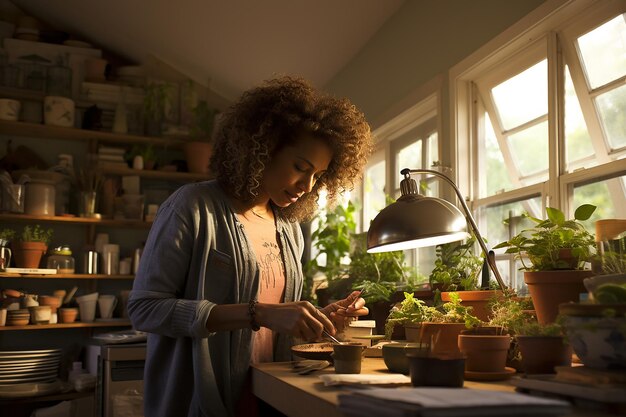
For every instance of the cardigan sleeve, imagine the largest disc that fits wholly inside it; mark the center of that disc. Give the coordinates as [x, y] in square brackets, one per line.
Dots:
[164, 295]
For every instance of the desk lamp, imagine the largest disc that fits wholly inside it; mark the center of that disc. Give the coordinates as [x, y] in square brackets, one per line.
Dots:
[416, 221]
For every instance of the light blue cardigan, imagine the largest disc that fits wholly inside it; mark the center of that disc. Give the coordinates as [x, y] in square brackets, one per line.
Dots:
[197, 256]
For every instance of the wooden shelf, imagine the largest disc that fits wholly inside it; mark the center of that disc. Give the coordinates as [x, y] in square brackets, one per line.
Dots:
[157, 175]
[68, 133]
[115, 323]
[67, 276]
[134, 224]
[65, 396]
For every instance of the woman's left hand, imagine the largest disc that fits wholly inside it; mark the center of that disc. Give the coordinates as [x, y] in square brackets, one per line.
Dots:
[342, 312]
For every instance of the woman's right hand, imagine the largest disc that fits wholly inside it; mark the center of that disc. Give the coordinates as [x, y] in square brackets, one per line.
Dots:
[300, 319]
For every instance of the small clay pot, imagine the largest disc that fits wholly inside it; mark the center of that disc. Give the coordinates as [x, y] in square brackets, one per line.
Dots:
[68, 315]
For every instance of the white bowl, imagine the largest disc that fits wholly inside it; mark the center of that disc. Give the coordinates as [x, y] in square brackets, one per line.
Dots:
[598, 341]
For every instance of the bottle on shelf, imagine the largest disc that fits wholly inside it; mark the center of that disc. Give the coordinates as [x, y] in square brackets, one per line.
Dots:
[62, 260]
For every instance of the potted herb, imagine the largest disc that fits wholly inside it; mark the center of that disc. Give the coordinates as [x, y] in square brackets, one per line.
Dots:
[557, 250]
[542, 347]
[457, 269]
[438, 326]
[30, 246]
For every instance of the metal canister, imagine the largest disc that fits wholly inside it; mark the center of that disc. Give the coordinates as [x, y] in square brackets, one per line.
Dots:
[136, 259]
[90, 262]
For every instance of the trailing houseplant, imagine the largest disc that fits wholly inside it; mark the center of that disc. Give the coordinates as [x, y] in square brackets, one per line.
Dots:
[557, 250]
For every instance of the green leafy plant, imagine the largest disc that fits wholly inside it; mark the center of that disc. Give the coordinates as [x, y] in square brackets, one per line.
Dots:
[554, 243]
[331, 240]
[413, 310]
[410, 310]
[36, 234]
[156, 96]
[510, 313]
[456, 266]
[203, 120]
[533, 328]
[7, 234]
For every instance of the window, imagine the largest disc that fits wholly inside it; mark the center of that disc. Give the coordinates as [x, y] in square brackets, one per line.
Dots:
[546, 122]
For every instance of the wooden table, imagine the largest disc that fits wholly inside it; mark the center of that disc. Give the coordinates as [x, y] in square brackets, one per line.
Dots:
[306, 396]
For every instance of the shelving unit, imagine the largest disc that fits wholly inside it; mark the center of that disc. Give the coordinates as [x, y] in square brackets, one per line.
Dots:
[112, 323]
[67, 276]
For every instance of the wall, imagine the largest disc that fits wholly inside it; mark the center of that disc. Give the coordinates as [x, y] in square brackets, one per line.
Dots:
[423, 39]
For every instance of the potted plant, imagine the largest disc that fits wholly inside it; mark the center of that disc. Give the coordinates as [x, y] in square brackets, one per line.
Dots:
[542, 347]
[30, 246]
[378, 276]
[438, 326]
[329, 267]
[557, 250]
[198, 151]
[147, 153]
[596, 328]
[486, 351]
[457, 269]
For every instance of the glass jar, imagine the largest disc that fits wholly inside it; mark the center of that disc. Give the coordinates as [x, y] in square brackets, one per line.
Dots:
[62, 260]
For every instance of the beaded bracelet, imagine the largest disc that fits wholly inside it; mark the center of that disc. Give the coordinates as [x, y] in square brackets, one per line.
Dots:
[252, 313]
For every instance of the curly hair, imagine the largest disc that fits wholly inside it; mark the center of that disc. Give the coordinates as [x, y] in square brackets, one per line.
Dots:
[272, 116]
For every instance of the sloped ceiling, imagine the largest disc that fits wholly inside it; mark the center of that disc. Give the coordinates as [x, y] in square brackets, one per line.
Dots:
[229, 45]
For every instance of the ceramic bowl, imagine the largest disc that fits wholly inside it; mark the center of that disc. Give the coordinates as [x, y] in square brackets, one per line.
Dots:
[394, 355]
[50, 300]
[40, 314]
[316, 351]
[598, 341]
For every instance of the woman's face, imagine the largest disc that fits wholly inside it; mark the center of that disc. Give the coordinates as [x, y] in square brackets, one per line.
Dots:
[294, 170]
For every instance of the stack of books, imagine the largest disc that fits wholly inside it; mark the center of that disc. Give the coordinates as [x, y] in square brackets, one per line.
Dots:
[111, 157]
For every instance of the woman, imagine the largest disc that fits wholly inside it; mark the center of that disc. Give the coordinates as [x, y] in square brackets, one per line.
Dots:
[220, 276]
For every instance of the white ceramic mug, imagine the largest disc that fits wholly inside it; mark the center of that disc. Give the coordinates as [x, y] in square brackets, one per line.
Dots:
[58, 111]
[9, 109]
[107, 304]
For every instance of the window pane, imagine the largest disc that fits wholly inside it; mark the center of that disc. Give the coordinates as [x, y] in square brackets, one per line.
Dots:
[608, 196]
[577, 140]
[433, 149]
[524, 97]
[494, 230]
[603, 52]
[612, 109]
[374, 191]
[498, 179]
[530, 152]
[409, 157]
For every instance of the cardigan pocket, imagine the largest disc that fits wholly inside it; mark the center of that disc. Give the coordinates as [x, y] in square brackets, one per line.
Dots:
[220, 277]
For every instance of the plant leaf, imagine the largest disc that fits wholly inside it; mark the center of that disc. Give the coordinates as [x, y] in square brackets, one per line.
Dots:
[584, 212]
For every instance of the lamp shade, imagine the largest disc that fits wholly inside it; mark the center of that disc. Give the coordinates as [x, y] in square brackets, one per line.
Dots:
[415, 221]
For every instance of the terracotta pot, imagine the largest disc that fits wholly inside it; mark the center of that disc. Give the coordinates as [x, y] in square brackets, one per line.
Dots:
[484, 353]
[548, 289]
[198, 155]
[540, 354]
[478, 300]
[442, 336]
[28, 254]
[68, 315]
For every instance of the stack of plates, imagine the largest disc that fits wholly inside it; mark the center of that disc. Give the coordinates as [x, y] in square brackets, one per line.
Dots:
[29, 366]
[19, 317]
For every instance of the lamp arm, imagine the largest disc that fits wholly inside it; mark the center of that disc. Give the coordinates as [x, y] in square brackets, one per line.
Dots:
[468, 216]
